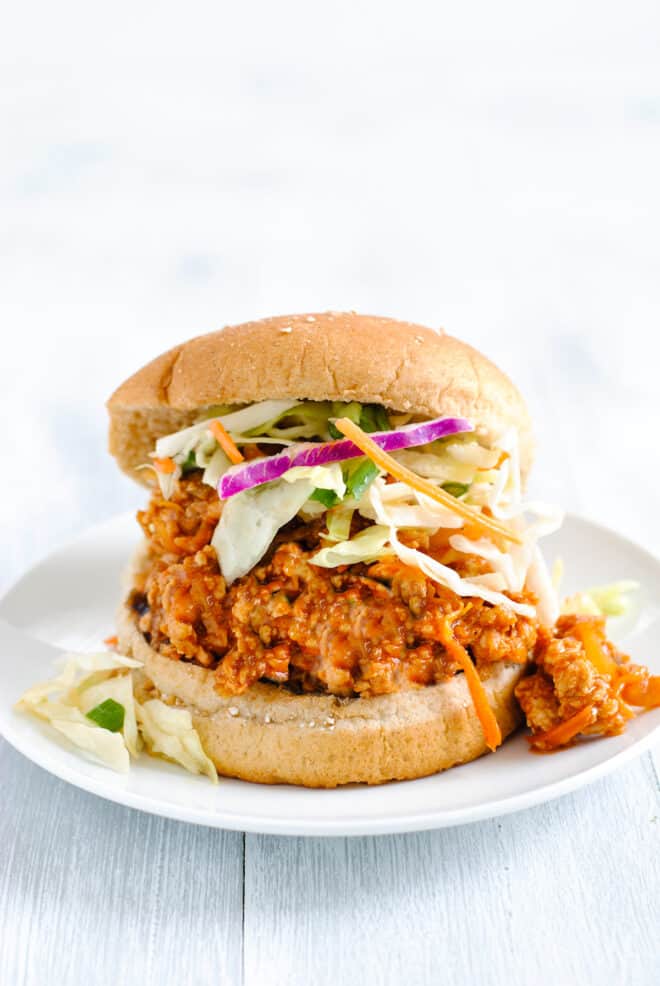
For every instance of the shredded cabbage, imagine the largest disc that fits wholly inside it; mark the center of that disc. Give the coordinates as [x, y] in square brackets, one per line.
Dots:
[504, 499]
[254, 416]
[367, 546]
[99, 744]
[437, 466]
[255, 424]
[395, 506]
[557, 573]
[76, 668]
[170, 733]
[540, 583]
[313, 419]
[218, 464]
[514, 564]
[409, 508]
[462, 462]
[167, 481]
[85, 682]
[308, 419]
[473, 454]
[500, 561]
[204, 450]
[283, 421]
[119, 688]
[604, 600]
[63, 701]
[322, 477]
[311, 510]
[444, 575]
[180, 443]
[433, 569]
[423, 515]
[614, 599]
[338, 521]
[250, 520]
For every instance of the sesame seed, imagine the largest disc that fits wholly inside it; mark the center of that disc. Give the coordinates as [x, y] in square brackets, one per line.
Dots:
[311, 724]
[419, 338]
[329, 721]
[310, 318]
[232, 710]
[286, 328]
[267, 718]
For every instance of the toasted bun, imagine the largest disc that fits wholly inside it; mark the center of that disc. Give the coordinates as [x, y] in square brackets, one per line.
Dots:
[273, 736]
[325, 356]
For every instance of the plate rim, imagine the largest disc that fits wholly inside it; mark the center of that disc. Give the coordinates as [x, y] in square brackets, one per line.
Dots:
[326, 827]
[347, 826]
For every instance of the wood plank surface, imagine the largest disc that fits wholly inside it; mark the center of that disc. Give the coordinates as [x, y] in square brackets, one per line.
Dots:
[94, 893]
[564, 893]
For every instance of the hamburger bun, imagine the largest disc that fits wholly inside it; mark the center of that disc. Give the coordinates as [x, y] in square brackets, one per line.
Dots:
[269, 734]
[336, 356]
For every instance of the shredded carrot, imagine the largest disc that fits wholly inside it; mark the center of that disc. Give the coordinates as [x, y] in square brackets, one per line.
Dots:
[565, 731]
[394, 468]
[166, 466]
[111, 641]
[224, 440]
[645, 694]
[603, 663]
[489, 723]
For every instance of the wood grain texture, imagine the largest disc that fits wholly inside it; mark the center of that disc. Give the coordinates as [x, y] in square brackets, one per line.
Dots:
[560, 894]
[91, 892]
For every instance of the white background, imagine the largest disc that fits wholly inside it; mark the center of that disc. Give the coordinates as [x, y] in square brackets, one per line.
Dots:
[492, 168]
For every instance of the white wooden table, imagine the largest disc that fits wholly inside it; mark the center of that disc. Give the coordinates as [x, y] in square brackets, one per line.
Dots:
[482, 171]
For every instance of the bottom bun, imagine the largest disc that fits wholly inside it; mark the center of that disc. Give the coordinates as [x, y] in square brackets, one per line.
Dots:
[273, 736]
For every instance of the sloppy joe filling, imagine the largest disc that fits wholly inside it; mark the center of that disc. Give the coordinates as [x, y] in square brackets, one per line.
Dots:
[572, 685]
[355, 630]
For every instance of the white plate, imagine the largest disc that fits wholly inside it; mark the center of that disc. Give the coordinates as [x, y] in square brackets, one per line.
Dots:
[69, 600]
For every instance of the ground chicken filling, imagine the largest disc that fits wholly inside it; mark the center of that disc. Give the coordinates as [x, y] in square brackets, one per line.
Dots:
[355, 630]
[575, 689]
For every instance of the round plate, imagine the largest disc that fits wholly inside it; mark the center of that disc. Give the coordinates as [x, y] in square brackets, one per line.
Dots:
[69, 600]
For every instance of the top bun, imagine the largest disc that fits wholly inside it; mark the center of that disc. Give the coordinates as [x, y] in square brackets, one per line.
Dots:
[338, 356]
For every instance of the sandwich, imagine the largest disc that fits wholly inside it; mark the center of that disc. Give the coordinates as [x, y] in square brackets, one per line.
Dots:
[339, 577]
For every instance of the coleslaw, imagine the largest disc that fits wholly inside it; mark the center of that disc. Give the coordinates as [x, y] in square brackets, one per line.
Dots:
[460, 485]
